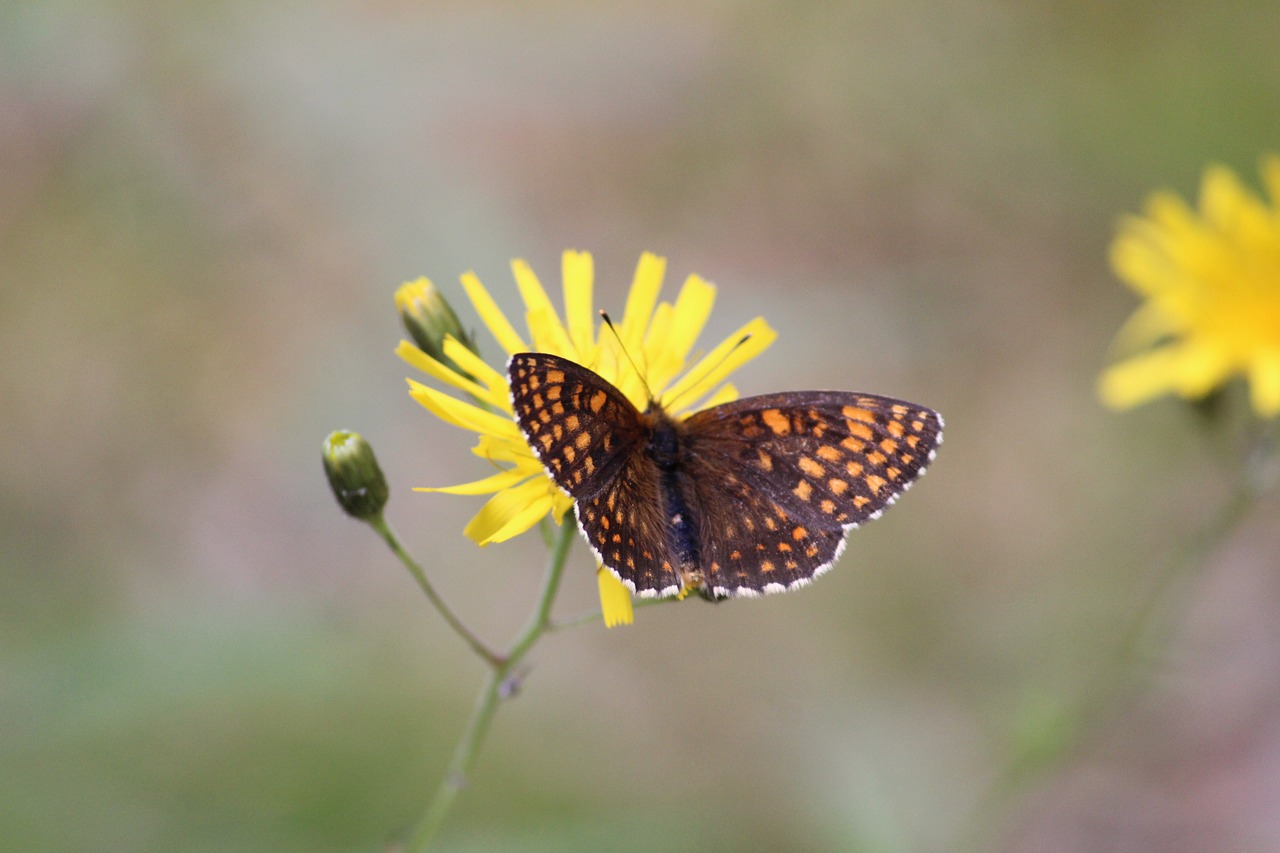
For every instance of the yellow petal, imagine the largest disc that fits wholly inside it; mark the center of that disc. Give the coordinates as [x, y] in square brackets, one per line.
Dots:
[492, 315]
[548, 332]
[511, 512]
[579, 277]
[499, 389]
[428, 365]
[736, 350]
[641, 298]
[549, 335]
[1264, 384]
[458, 413]
[615, 599]
[693, 308]
[1138, 379]
[495, 483]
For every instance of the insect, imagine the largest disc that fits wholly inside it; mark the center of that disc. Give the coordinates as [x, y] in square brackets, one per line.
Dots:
[749, 497]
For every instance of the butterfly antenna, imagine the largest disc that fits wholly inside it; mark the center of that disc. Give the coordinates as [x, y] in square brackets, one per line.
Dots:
[640, 373]
[709, 370]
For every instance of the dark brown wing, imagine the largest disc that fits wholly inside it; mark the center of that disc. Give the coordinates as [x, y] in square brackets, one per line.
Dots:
[592, 442]
[777, 481]
[582, 428]
[626, 527]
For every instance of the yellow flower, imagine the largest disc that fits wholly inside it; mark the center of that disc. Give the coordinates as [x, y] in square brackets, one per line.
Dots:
[660, 338]
[1211, 281]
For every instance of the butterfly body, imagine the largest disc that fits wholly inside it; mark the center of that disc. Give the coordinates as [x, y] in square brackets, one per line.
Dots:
[749, 497]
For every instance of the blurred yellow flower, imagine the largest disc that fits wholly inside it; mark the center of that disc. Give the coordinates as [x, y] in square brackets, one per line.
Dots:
[660, 338]
[1211, 281]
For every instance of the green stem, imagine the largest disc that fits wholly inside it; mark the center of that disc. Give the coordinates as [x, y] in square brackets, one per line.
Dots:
[388, 535]
[502, 682]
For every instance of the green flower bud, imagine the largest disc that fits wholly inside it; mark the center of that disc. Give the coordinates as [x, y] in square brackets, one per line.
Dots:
[354, 475]
[428, 318]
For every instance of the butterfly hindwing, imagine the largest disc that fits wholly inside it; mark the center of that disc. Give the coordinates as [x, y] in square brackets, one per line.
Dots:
[625, 526]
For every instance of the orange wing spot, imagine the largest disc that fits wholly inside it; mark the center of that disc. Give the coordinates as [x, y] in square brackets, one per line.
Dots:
[544, 416]
[860, 501]
[888, 445]
[533, 383]
[558, 432]
[859, 429]
[583, 441]
[589, 464]
[546, 441]
[852, 444]
[776, 421]
[604, 522]
[766, 566]
[917, 425]
[838, 486]
[855, 414]
[570, 453]
[597, 401]
[537, 401]
[900, 409]
[577, 476]
[736, 555]
[617, 538]
[877, 458]
[792, 564]
[535, 427]
[573, 423]
[810, 467]
[648, 555]
[828, 506]
[766, 461]
[666, 566]
[913, 441]
[631, 562]
[906, 458]
[771, 524]
[802, 490]
[853, 469]
[601, 537]
[554, 377]
[557, 409]
[749, 524]
[553, 393]
[799, 533]
[811, 551]
[876, 483]
[896, 429]
[829, 453]
[894, 473]
[784, 547]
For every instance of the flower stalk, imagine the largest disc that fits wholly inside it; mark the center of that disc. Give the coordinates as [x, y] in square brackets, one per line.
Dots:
[501, 683]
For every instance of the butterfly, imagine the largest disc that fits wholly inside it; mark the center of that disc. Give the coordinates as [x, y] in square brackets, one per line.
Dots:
[749, 497]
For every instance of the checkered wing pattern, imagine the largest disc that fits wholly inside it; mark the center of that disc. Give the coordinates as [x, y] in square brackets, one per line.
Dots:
[582, 428]
[777, 481]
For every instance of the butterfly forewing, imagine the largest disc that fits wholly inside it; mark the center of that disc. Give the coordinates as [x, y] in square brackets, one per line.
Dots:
[581, 427]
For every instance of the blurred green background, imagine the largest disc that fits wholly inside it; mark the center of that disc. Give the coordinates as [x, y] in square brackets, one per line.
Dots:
[204, 211]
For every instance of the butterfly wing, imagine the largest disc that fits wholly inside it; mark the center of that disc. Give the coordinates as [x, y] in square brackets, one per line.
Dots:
[591, 440]
[582, 429]
[777, 481]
